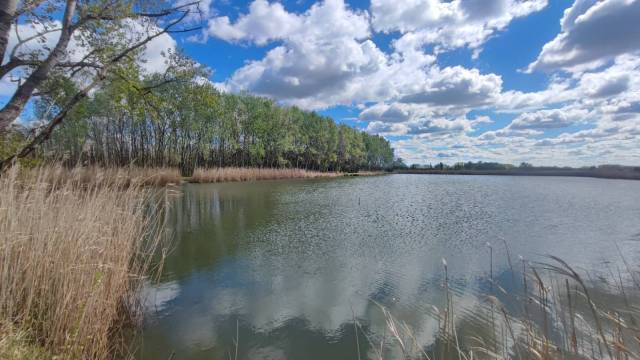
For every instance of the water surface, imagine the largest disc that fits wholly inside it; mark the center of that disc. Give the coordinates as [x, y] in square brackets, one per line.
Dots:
[285, 267]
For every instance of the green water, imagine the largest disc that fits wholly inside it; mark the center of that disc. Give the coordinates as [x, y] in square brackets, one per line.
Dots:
[285, 267]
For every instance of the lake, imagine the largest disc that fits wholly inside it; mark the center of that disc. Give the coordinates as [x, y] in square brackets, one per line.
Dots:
[302, 269]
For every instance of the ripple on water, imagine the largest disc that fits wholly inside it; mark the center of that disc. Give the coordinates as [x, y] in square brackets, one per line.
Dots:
[291, 264]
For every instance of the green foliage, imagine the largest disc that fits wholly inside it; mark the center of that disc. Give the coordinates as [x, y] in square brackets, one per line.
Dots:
[189, 123]
[11, 142]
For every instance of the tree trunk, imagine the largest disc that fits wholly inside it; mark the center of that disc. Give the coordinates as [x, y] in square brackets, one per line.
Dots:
[16, 104]
[7, 12]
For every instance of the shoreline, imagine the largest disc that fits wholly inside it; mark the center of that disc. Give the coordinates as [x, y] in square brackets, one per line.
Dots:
[231, 174]
[562, 173]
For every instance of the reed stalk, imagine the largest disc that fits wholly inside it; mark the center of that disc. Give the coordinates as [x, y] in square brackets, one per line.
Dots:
[75, 247]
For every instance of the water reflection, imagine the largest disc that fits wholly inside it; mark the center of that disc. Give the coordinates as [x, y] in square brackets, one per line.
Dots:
[286, 267]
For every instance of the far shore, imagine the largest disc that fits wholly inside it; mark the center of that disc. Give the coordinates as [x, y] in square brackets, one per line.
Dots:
[591, 173]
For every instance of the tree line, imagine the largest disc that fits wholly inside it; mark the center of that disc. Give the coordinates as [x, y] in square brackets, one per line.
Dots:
[191, 124]
[104, 109]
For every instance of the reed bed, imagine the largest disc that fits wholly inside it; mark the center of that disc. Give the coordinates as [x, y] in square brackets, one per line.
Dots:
[229, 174]
[556, 314]
[75, 246]
[165, 176]
[112, 176]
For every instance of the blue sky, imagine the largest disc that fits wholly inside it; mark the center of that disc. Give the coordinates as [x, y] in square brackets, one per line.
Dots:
[552, 82]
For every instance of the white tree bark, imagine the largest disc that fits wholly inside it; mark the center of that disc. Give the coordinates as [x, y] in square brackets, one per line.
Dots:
[10, 112]
[7, 12]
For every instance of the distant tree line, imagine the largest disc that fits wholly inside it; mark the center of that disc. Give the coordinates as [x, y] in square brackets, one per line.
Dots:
[191, 124]
[480, 165]
[494, 168]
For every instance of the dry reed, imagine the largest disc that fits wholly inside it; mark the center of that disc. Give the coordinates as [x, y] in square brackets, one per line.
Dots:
[111, 176]
[229, 174]
[563, 316]
[74, 250]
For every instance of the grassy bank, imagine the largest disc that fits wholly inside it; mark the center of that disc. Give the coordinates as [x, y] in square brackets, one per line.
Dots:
[74, 249]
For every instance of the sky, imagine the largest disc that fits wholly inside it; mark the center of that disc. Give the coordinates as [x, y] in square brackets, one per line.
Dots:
[550, 82]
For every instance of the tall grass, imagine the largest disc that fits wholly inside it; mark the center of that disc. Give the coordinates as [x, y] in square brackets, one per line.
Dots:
[250, 174]
[113, 176]
[74, 249]
[557, 314]
[158, 176]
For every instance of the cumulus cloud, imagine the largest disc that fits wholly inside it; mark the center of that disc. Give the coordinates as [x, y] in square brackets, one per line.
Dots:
[450, 24]
[421, 126]
[326, 21]
[264, 22]
[602, 133]
[620, 79]
[548, 119]
[438, 126]
[457, 86]
[389, 113]
[327, 56]
[298, 74]
[317, 64]
[592, 32]
[557, 92]
[611, 86]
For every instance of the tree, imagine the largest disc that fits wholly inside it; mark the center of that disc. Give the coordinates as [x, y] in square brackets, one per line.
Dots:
[106, 33]
[189, 123]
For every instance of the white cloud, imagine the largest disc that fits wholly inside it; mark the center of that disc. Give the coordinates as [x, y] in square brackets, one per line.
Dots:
[450, 24]
[39, 46]
[548, 119]
[153, 58]
[317, 65]
[592, 32]
[404, 91]
[310, 75]
[419, 127]
[439, 126]
[455, 86]
[263, 23]
[198, 12]
[619, 80]
[387, 113]
[422, 125]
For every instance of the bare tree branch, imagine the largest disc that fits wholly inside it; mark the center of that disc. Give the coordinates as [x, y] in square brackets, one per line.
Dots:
[28, 7]
[104, 69]
[46, 132]
[16, 104]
